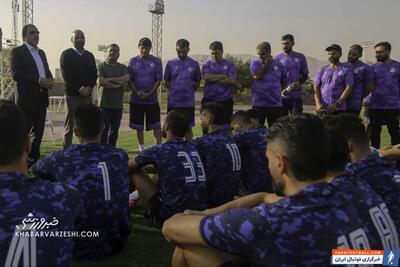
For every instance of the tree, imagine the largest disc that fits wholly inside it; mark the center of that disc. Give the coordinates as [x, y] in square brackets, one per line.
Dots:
[244, 81]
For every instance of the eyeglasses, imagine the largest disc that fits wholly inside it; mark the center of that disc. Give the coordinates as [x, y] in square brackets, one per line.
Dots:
[34, 32]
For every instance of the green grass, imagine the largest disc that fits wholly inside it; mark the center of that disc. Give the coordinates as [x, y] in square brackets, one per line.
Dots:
[146, 245]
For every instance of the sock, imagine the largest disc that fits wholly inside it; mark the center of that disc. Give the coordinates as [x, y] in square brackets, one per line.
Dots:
[141, 147]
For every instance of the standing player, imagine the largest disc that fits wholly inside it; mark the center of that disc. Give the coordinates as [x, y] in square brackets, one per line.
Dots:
[100, 173]
[181, 180]
[297, 73]
[298, 230]
[24, 199]
[270, 79]
[362, 80]
[252, 142]
[145, 72]
[219, 75]
[182, 77]
[333, 84]
[220, 156]
[385, 97]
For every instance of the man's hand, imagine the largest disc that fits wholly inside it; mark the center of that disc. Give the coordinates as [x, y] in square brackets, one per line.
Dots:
[296, 84]
[332, 107]
[145, 95]
[319, 107]
[365, 101]
[46, 83]
[85, 91]
[268, 60]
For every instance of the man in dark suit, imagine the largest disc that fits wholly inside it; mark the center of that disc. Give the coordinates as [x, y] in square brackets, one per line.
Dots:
[31, 72]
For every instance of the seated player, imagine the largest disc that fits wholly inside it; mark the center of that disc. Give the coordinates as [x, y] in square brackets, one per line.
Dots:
[100, 173]
[180, 182]
[367, 165]
[220, 156]
[255, 118]
[300, 229]
[23, 198]
[252, 142]
[370, 204]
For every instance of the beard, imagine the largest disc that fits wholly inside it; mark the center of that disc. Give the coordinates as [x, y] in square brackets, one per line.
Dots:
[381, 59]
[204, 129]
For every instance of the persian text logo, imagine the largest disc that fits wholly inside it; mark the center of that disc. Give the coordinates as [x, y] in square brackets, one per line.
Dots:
[33, 223]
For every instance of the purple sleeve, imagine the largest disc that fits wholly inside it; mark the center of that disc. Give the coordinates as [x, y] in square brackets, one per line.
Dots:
[197, 72]
[284, 77]
[304, 70]
[147, 157]
[130, 70]
[159, 70]
[255, 65]
[368, 75]
[46, 168]
[167, 73]
[206, 69]
[232, 73]
[349, 77]
[318, 76]
[237, 231]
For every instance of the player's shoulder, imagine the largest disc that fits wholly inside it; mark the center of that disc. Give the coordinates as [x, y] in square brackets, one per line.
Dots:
[155, 59]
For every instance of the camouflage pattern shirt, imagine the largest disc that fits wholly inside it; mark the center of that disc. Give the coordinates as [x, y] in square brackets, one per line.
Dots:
[222, 163]
[300, 230]
[182, 180]
[255, 176]
[28, 204]
[100, 174]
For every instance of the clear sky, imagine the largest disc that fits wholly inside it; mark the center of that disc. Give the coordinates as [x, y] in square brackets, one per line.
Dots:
[239, 24]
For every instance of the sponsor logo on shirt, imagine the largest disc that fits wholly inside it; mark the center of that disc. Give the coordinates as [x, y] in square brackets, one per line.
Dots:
[190, 69]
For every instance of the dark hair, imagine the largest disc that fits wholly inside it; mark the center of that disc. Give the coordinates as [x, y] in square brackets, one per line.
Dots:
[182, 43]
[265, 46]
[350, 126]
[357, 47]
[144, 42]
[112, 45]
[338, 150]
[288, 37]
[88, 121]
[13, 134]
[305, 143]
[216, 111]
[25, 29]
[241, 117]
[254, 114]
[386, 45]
[178, 122]
[216, 45]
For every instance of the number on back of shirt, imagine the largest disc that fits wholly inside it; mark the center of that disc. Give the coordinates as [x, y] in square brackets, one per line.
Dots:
[384, 226]
[21, 248]
[188, 164]
[235, 155]
[106, 180]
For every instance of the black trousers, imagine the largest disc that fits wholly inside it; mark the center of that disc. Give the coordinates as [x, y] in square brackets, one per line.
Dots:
[112, 120]
[292, 106]
[380, 116]
[271, 114]
[35, 121]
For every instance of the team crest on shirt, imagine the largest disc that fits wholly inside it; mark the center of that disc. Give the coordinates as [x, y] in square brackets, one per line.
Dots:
[359, 69]
[225, 67]
[190, 69]
[393, 70]
[152, 65]
[296, 59]
[340, 73]
[276, 68]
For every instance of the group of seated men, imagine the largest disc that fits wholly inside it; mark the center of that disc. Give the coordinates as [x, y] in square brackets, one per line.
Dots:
[222, 200]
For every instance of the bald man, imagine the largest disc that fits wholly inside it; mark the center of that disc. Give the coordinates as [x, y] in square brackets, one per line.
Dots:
[78, 68]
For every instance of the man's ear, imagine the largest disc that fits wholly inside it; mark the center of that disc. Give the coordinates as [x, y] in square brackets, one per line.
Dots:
[282, 163]
[351, 147]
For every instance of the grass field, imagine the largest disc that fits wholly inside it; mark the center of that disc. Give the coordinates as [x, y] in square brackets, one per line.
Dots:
[146, 245]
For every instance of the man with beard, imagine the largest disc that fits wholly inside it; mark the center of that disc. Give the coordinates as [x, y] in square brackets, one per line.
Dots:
[180, 182]
[182, 77]
[362, 80]
[220, 156]
[385, 97]
[79, 72]
[333, 84]
[300, 229]
[297, 72]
